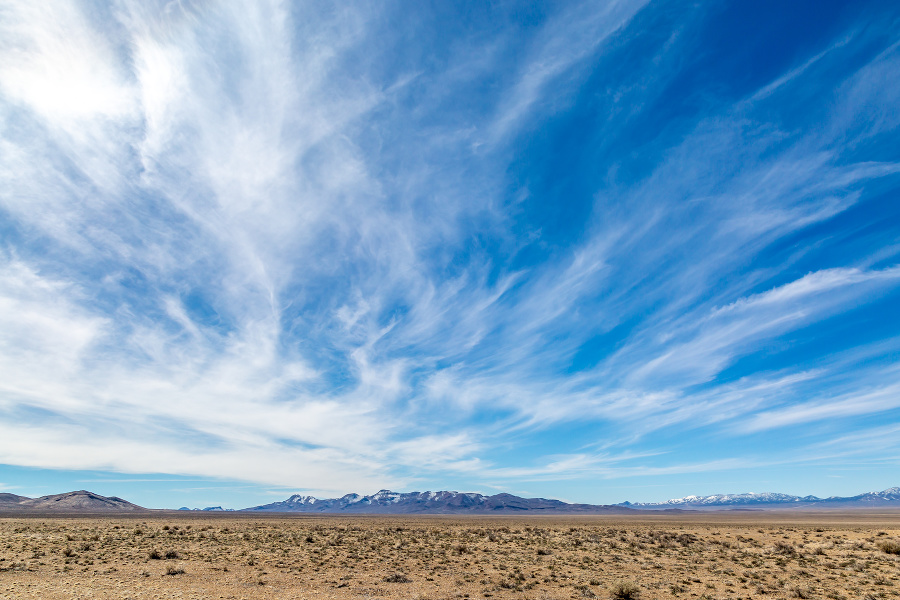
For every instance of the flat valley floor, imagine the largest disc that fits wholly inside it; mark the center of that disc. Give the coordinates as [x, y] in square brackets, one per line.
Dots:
[686, 557]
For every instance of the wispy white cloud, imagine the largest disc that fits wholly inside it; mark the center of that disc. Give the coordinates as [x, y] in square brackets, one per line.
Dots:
[241, 246]
[565, 42]
[880, 443]
[859, 403]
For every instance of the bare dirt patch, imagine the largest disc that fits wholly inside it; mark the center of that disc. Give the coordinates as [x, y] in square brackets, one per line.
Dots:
[698, 557]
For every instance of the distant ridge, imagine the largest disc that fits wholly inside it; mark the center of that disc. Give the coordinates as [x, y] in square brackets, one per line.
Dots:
[885, 498]
[11, 500]
[80, 501]
[447, 502]
[388, 502]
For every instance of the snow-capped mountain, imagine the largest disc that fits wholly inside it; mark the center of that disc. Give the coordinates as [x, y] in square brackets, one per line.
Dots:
[444, 502]
[388, 502]
[888, 497]
[728, 500]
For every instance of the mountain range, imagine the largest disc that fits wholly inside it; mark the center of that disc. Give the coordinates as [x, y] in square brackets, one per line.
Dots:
[445, 502]
[80, 501]
[388, 502]
[888, 497]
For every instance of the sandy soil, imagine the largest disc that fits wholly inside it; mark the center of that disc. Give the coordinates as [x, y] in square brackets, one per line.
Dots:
[841, 557]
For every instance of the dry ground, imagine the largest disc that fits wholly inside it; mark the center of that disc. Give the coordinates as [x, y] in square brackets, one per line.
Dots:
[540, 558]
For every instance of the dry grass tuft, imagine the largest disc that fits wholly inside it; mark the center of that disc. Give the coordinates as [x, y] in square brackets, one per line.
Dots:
[625, 590]
[889, 547]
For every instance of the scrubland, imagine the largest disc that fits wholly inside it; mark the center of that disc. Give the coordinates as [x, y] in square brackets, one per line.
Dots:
[431, 558]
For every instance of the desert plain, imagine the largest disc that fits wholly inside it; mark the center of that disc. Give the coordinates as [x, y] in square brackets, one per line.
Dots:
[227, 556]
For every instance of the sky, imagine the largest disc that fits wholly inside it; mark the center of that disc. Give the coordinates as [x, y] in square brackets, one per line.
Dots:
[599, 251]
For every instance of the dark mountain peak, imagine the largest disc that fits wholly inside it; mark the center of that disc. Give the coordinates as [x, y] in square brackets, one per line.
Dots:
[6, 498]
[81, 500]
[77, 501]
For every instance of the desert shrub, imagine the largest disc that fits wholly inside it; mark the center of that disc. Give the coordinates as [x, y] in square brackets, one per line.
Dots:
[154, 555]
[544, 552]
[174, 571]
[625, 590]
[68, 552]
[397, 578]
[171, 554]
[890, 547]
[784, 548]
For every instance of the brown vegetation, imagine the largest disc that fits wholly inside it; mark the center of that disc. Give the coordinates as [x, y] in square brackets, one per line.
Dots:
[422, 558]
[890, 547]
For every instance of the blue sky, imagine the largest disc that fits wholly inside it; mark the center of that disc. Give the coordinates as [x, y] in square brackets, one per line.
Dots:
[596, 251]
